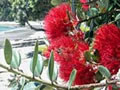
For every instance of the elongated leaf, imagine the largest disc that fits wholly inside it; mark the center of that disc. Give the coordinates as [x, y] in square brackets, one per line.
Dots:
[117, 17]
[30, 86]
[92, 11]
[72, 78]
[22, 82]
[8, 51]
[51, 66]
[56, 2]
[104, 71]
[35, 57]
[39, 66]
[55, 73]
[16, 60]
[99, 76]
[117, 2]
[87, 56]
[103, 5]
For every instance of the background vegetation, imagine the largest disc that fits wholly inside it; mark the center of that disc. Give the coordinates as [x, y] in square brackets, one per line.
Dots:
[23, 10]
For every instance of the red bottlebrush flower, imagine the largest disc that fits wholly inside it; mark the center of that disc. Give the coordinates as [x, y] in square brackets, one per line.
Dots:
[67, 48]
[85, 73]
[83, 1]
[84, 6]
[69, 53]
[58, 23]
[68, 45]
[107, 43]
[73, 57]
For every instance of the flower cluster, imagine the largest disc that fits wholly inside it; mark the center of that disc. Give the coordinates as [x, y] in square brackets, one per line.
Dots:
[69, 46]
[107, 43]
[58, 23]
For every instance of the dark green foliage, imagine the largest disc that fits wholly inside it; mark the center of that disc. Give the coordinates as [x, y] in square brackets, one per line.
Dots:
[29, 9]
[22, 10]
[5, 11]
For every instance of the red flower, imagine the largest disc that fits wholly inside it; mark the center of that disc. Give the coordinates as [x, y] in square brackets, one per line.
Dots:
[85, 73]
[68, 45]
[84, 6]
[69, 53]
[73, 57]
[57, 22]
[83, 1]
[107, 43]
[67, 48]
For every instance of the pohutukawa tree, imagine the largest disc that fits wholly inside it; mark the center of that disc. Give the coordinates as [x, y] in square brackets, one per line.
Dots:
[84, 43]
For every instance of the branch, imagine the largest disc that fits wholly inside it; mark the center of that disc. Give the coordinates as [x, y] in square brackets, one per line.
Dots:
[86, 86]
[114, 21]
[36, 29]
[27, 16]
[93, 17]
[31, 78]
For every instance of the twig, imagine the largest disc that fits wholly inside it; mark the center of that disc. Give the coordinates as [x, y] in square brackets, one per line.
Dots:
[36, 29]
[86, 86]
[95, 85]
[114, 21]
[93, 17]
[31, 78]
[90, 2]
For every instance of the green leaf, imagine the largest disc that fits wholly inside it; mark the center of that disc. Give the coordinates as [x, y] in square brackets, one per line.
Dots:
[35, 57]
[30, 86]
[118, 75]
[16, 60]
[93, 11]
[104, 71]
[15, 87]
[22, 83]
[117, 2]
[98, 76]
[8, 51]
[56, 2]
[87, 55]
[46, 87]
[115, 87]
[117, 17]
[39, 66]
[45, 62]
[98, 88]
[72, 78]
[103, 5]
[55, 73]
[51, 66]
